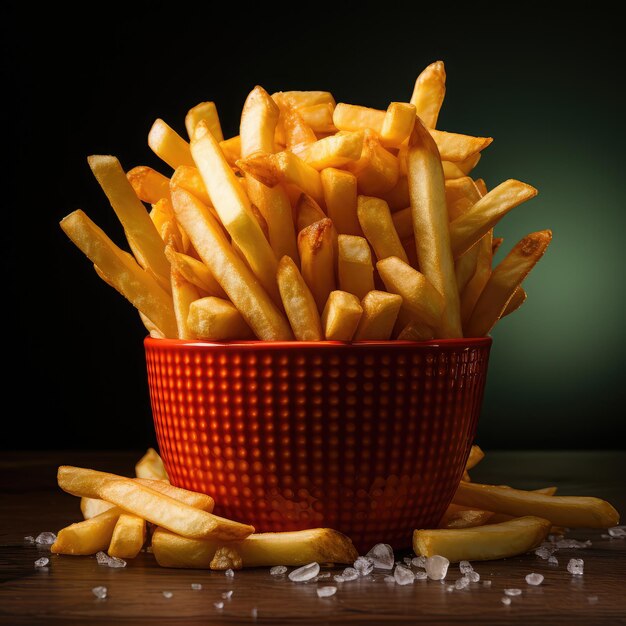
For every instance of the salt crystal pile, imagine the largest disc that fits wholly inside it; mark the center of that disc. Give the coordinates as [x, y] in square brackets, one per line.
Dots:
[42, 562]
[45, 539]
[462, 583]
[543, 553]
[473, 576]
[553, 560]
[403, 575]
[534, 579]
[278, 570]
[229, 573]
[617, 532]
[350, 573]
[326, 592]
[421, 575]
[437, 567]
[167, 594]
[506, 600]
[465, 567]
[110, 561]
[100, 592]
[419, 561]
[196, 586]
[227, 595]
[572, 543]
[218, 605]
[29, 540]
[575, 567]
[304, 573]
[513, 592]
[364, 566]
[381, 556]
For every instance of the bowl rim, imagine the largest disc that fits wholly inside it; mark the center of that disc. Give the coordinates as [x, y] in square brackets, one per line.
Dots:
[256, 344]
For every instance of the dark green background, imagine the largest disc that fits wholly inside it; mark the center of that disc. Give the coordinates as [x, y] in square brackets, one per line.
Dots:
[545, 81]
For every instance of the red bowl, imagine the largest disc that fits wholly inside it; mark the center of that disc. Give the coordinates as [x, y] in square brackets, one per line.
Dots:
[369, 438]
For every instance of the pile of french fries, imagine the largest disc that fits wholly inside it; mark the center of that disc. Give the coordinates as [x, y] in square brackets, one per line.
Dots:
[318, 221]
[484, 522]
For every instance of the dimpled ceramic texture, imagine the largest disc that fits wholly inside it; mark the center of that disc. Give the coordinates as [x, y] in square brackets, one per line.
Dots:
[368, 438]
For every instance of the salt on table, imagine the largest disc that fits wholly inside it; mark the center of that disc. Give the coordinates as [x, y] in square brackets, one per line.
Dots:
[45, 539]
[196, 586]
[462, 583]
[513, 592]
[227, 595]
[278, 570]
[42, 562]
[576, 567]
[437, 567]
[167, 594]
[350, 573]
[100, 592]
[506, 600]
[326, 592]
[403, 575]
[534, 579]
[304, 573]
[381, 556]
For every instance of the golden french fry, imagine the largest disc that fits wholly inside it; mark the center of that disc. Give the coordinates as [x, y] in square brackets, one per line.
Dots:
[192, 498]
[146, 242]
[469, 227]
[340, 193]
[149, 185]
[429, 92]
[183, 294]
[517, 299]
[196, 272]
[150, 465]
[421, 302]
[547, 491]
[233, 207]
[569, 511]
[298, 133]
[476, 455]
[307, 212]
[207, 112]
[319, 117]
[477, 282]
[189, 178]
[452, 170]
[87, 537]
[258, 122]
[398, 123]
[333, 151]
[341, 316]
[299, 302]
[375, 219]
[133, 282]
[168, 145]
[461, 194]
[321, 545]
[352, 117]
[128, 537]
[355, 269]
[468, 164]
[317, 258]
[155, 333]
[161, 215]
[377, 170]
[483, 543]
[90, 507]
[481, 186]
[496, 242]
[302, 99]
[430, 226]
[504, 280]
[231, 149]
[380, 311]
[461, 517]
[416, 331]
[403, 223]
[215, 319]
[465, 267]
[454, 147]
[398, 197]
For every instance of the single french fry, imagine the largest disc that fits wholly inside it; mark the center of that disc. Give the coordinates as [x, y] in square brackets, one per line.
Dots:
[416, 331]
[161, 214]
[90, 507]
[146, 242]
[150, 465]
[465, 267]
[469, 227]
[496, 242]
[154, 331]
[307, 212]
[377, 170]
[429, 92]
[333, 151]
[341, 316]
[461, 517]
[258, 122]
[319, 117]
[340, 196]
[215, 319]
[420, 300]
[149, 185]
[461, 194]
[481, 186]
[128, 537]
[254, 304]
[127, 277]
[355, 269]
[233, 207]
[398, 197]
[321, 545]
[375, 219]
[504, 280]
[189, 178]
[207, 112]
[380, 311]
[302, 99]
[87, 537]
[298, 133]
[183, 294]
[477, 282]
[430, 226]
[298, 302]
[483, 543]
[231, 149]
[192, 498]
[317, 258]
[455, 147]
[517, 299]
[568, 511]
[476, 455]
[352, 117]
[451, 170]
[168, 145]
[468, 164]
[398, 124]
[196, 272]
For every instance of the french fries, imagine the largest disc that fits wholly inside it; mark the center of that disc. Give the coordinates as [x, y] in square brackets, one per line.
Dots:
[184, 294]
[149, 185]
[517, 299]
[341, 316]
[317, 258]
[380, 311]
[483, 543]
[378, 227]
[429, 92]
[355, 269]
[89, 536]
[169, 146]
[216, 319]
[204, 112]
[476, 455]
[194, 271]
[128, 537]
[90, 507]
[340, 197]
[150, 465]
[377, 170]
[189, 178]
[461, 517]
[333, 151]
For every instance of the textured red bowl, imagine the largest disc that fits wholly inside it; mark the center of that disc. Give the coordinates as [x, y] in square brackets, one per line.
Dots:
[369, 438]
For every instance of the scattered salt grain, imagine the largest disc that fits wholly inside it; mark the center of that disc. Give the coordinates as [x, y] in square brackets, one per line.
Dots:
[602, 536]
[45, 539]
[100, 592]
[350, 573]
[465, 567]
[29, 540]
[553, 560]
[42, 562]
[421, 575]
[473, 576]
[167, 594]
[437, 567]
[388, 579]
[575, 567]
[229, 573]
[218, 605]
[513, 592]
[381, 555]
[449, 587]
[254, 612]
[323, 576]
[364, 565]
[338, 578]
[486, 583]
[278, 570]
[196, 586]
[572, 543]
[419, 561]
[462, 582]
[326, 592]
[617, 532]
[543, 553]
[304, 573]
[592, 599]
[403, 575]
[110, 561]
[227, 595]
[534, 579]
[505, 600]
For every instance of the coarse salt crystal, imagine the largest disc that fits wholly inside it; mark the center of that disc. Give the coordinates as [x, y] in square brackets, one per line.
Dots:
[534, 579]
[45, 539]
[403, 575]
[419, 561]
[513, 592]
[349, 574]
[553, 560]
[473, 576]
[100, 592]
[465, 567]
[617, 532]
[196, 586]
[227, 595]
[437, 567]
[278, 570]
[229, 573]
[381, 556]
[390, 579]
[576, 567]
[254, 612]
[572, 543]
[338, 578]
[364, 566]
[505, 600]
[323, 576]
[543, 553]
[218, 605]
[110, 561]
[326, 592]
[29, 540]
[167, 594]
[421, 575]
[487, 583]
[42, 562]
[304, 573]
[462, 582]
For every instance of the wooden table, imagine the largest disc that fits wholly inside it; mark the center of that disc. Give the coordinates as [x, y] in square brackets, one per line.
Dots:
[61, 594]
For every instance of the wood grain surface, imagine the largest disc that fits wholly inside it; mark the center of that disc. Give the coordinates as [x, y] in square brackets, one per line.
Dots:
[30, 503]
